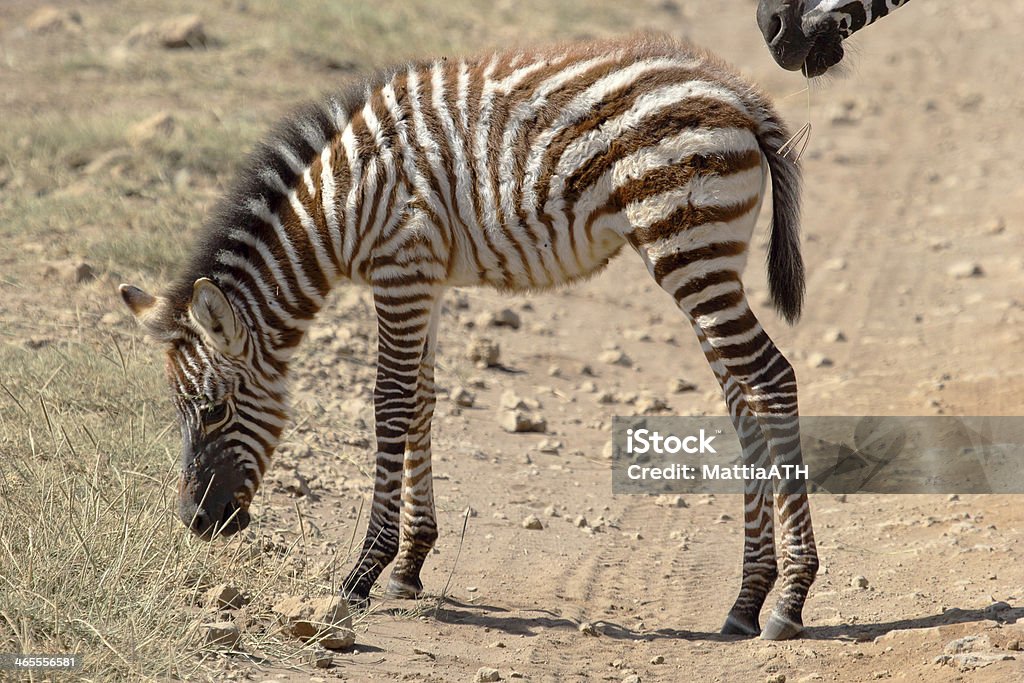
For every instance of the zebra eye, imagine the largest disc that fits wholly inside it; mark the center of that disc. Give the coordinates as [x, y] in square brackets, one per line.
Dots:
[214, 414]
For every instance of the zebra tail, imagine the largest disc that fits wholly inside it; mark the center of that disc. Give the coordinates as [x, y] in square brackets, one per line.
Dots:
[785, 264]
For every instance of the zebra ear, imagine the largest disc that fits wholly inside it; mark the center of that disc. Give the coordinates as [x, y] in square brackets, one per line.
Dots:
[147, 309]
[212, 313]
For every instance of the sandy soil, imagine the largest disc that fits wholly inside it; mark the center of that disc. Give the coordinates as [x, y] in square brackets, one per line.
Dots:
[913, 169]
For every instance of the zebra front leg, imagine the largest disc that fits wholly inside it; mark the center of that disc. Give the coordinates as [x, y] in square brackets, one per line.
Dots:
[419, 520]
[768, 386]
[759, 562]
[403, 322]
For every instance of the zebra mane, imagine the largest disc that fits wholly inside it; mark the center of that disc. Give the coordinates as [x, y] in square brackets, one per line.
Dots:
[294, 142]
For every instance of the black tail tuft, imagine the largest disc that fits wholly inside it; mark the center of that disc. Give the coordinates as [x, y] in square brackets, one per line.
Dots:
[785, 264]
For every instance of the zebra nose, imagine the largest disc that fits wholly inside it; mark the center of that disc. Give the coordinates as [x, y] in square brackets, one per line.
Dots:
[772, 27]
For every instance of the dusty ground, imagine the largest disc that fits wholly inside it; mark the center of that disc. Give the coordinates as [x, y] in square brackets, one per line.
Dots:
[913, 173]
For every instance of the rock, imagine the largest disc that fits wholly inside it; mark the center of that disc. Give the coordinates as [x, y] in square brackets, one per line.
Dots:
[50, 19]
[182, 32]
[551, 511]
[819, 360]
[606, 398]
[510, 400]
[859, 582]
[670, 501]
[657, 659]
[615, 358]
[775, 678]
[1013, 645]
[486, 353]
[321, 658]
[463, 398]
[522, 421]
[581, 522]
[159, 126]
[506, 317]
[589, 629]
[486, 674]
[649, 405]
[221, 634]
[834, 335]
[965, 269]
[554, 371]
[608, 452]
[632, 678]
[326, 620]
[533, 523]
[549, 446]
[681, 386]
[224, 596]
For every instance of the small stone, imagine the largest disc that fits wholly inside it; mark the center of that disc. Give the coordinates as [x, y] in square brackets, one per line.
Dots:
[485, 674]
[835, 264]
[506, 317]
[608, 452]
[1013, 646]
[819, 360]
[549, 446]
[965, 269]
[953, 497]
[533, 523]
[463, 398]
[326, 620]
[581, 522]
[50, 19]
[587, 370]
[224, 596]
[522, 421]
[486, 353]
[632, 678]
[681, 386]
[657, 659]
[670, 501]
[510, 400]
[221, 634]
[321, 658]
[650, 405]
[589, 629]
[775, 678]
[859, 582]
[606, 398]
[551, 511]
[554, 371]
[834, 335]
[615, 358]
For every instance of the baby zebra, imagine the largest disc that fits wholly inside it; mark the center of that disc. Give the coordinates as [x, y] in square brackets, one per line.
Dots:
[522, 170]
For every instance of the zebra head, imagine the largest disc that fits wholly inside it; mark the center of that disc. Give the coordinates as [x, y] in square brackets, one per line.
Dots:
[809, 34]
[230, 415]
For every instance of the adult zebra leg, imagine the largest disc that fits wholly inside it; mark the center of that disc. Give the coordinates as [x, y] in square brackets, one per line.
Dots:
[403, 324]
[419, 521]
[759, 562]
[767, 383]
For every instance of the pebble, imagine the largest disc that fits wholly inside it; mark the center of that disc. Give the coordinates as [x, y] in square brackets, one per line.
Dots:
[834, 335]
[581, 522]
[632, 678]
[965, 269]
[549, 446]
[463, 398]
[649, 405]
[859, 582]
[224, 596]
[589, 629]
[681, 386]
[486, 674]
[328, 620]
[658, 659]
[819, 360]
[182, 32]
[615, 358]
[554, 371]
[506, 317]
[775, 678]
[321, 658]
[670, 501]
[485, 352]
[533, 523]
[521, 421]
[551, 511]
[510, 400]
[222, 633]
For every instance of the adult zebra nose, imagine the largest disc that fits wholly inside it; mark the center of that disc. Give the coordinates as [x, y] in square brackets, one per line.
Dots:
[780, 24]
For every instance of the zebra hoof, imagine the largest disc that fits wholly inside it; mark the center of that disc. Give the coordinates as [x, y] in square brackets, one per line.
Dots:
[403, 590]
[740, 626]
[781, 628]
[356, 602]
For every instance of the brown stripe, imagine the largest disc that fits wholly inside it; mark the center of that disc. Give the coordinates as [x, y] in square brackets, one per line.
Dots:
[689, 216]
[669, 263]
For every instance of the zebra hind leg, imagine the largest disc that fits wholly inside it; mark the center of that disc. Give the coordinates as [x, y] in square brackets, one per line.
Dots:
[759, 561]
[403, 323]
[419, 520]
[767, 383]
